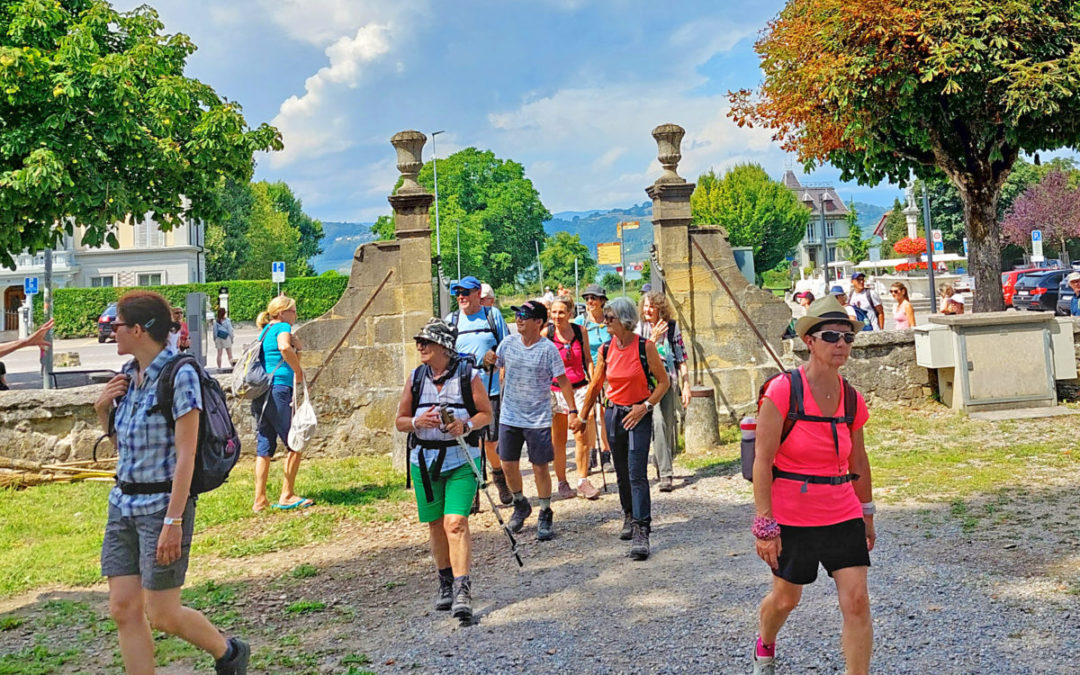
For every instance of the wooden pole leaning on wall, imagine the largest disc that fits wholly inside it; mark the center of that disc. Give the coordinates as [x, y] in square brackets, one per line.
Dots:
[333, 351]
[749, 321]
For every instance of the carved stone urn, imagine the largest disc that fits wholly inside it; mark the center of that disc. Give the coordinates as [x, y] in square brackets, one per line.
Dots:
[409, 146]
[668, 141]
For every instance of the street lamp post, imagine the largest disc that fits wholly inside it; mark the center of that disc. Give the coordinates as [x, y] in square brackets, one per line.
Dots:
[444, 301]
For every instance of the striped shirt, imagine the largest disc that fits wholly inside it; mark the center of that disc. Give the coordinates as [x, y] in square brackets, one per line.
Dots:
[526, 402]
[451, 397]
[145, 444]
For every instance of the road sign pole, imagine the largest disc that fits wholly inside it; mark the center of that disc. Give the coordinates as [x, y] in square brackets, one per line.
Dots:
[622, 260]
[929, 248]
[47, 355]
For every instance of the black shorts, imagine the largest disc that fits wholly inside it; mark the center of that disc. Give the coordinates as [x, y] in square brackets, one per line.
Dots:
[541, 451]
[491, 431]
[833, 546]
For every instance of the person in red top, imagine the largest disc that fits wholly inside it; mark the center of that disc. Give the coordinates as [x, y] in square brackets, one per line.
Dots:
[812, 490]
[573, 344]
[631, 399]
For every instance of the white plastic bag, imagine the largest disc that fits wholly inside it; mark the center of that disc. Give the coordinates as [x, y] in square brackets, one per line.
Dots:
[303, 422]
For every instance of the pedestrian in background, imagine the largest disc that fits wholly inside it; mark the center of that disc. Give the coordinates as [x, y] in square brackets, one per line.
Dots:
[658, 325]
[951, 301]
[273, 410]
[148, 534]
[224, 334]
[487, 296]
[866, 302]
[903, 313]
[1074, 283]
[593, 321]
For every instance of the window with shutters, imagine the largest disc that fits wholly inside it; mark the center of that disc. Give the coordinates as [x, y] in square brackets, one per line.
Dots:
[148, 235]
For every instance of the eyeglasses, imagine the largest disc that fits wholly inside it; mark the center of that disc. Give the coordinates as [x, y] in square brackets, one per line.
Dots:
[117, 324]
[608, 318]
[423, 344]
[833, 336]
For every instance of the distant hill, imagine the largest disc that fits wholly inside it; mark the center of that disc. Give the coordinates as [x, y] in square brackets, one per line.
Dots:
[868, 216]
[597, 227]
[339, 244]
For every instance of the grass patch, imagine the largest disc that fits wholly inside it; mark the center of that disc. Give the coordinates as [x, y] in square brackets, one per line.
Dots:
[304, 571]
[305, 607]
[37, 660]
[10, 622]
[52, 534]
[356, 660]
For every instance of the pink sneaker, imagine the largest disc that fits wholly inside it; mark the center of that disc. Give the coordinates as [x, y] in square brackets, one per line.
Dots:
[565, 491]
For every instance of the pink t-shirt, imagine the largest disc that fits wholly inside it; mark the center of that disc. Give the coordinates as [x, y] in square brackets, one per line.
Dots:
[809, 449]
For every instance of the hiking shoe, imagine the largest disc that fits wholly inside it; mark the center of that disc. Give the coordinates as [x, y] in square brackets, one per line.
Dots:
[639, 550]
[608, 466]
[627, 532]
[593, 459]
[238, 664]
[499, 478]
[665, 484]
[544, 531]
[522, 510]
[462, 607]
[565, 491]
[763, 665]
[587, 490]
[445, 598]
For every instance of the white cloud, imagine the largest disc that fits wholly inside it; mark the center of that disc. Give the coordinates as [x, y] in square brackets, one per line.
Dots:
[321, 22]
[700, 40]
[311, 124]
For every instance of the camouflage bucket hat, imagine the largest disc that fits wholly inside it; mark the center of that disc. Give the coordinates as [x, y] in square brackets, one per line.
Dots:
[439, 332]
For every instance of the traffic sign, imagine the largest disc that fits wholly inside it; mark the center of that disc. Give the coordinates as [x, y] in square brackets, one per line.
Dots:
[939, 241]
[30, 285]
[277, 271]
[609, 253]
[1036, 246]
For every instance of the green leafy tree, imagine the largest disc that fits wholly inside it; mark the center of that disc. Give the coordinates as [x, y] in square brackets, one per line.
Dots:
[310, 229]
[881, 90]
[611, 282]
[270, 237]
[858, 248]
[226, 240]
[99, 123]
[558, 256]
[646, 272]
[496, 207]
[755, 210]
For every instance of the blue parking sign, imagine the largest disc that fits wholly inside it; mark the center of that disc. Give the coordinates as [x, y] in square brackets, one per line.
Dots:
[30, 285]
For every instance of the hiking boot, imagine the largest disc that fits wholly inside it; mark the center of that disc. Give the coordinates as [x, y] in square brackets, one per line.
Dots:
[522, 510]
[445, 598]
[665, 484]
[565, 491]
[639, 550]
[544, 531]
[499, 478]
[237, 665]
[608, 466]
[587, 490]
[627, 532]
[462, 607]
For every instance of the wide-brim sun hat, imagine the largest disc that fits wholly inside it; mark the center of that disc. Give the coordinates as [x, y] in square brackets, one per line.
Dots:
[438, 331]
[1075, 276]
[825, 310]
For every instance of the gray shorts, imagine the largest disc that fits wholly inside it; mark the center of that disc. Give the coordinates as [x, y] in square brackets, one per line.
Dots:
[541, 451]
[130, 548]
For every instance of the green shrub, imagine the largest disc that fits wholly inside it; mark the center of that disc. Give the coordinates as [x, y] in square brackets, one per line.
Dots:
[76, 310]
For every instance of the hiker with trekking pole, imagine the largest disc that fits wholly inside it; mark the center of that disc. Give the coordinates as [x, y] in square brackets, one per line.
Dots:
[444, 475]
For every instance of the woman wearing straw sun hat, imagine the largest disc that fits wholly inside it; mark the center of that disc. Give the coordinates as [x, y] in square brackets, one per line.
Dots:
[812, 488]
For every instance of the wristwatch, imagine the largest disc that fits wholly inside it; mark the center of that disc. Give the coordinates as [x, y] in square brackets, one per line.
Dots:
[467, 426]
[172, 521]
[572, 412]
[648, 406]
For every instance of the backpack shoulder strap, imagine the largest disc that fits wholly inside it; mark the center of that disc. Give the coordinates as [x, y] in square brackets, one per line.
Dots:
[795, 402]
[166, 387]
[490, 315]
[579, 336]
[465, 373]
[418, 386]
[671, 333]
[603, 351]
[644, 358]
[851, 403]
[454, 318]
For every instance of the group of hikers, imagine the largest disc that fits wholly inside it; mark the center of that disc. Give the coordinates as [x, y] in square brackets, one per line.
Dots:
[615, 378]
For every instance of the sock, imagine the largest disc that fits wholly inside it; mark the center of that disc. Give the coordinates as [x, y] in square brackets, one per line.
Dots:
[519, 496]
[496, 472]
[462, 581]
[581, 481]
[446, 574]
[545, 503]
[765, 650]
[230, 652]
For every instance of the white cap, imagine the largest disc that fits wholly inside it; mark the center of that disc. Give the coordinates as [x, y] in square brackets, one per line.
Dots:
[486, 291]
[1075, 276]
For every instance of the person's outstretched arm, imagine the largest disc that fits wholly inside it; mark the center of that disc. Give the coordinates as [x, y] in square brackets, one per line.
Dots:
[36, 340]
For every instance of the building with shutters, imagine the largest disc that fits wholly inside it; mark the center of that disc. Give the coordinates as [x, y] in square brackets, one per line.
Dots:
[819, 235]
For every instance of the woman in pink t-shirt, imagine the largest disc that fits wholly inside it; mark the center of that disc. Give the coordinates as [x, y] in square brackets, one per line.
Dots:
[812, 488]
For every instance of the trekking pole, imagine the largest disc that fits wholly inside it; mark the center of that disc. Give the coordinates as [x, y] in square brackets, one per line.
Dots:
[599, 446]
[448, 418]
[749, 321]
[333, 351]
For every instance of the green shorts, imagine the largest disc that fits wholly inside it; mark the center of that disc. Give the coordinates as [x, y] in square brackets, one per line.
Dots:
[454, 492]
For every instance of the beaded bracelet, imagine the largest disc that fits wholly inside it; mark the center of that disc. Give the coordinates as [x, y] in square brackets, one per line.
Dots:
[765, 529]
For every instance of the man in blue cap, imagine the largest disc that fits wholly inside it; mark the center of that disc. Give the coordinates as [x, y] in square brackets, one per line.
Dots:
[867, 303]
[479, 331]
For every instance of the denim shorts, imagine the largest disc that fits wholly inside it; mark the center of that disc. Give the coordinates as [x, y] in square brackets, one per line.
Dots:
[130, 548]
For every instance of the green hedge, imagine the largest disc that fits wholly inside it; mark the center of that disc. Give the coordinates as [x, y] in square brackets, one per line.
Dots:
[77, 309]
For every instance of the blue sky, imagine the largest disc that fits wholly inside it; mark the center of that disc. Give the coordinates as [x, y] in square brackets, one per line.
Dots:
[569, 88]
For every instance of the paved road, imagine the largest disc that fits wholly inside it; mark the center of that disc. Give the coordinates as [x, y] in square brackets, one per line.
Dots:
[24, 368]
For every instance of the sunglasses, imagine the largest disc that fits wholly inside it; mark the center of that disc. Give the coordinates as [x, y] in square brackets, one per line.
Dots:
[525, 316]
[833, 336]
[117, 324]
[608, 318]
[423, 344]
[462, 292]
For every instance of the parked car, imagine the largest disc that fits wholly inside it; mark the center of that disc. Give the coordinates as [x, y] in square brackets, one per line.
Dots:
[105, 323]
[1064, 301]
[1008, 281]
[1038, 291]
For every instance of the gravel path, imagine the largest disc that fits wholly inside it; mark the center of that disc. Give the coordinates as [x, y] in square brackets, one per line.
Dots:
[942, 602]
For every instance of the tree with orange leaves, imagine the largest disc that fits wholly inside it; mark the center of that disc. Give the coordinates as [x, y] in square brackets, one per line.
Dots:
[881, 89]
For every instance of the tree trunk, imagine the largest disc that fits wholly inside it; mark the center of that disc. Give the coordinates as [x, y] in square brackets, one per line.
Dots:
[984, 244]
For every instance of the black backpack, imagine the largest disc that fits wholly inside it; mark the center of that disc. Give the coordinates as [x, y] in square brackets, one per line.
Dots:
[218, 447]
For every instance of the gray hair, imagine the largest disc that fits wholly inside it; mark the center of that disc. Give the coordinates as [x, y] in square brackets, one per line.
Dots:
[624, 312]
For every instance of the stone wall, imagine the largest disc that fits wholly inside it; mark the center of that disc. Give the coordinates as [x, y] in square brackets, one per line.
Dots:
[50, 426]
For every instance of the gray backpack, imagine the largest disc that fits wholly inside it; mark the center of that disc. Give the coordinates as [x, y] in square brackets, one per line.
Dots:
[249, 377]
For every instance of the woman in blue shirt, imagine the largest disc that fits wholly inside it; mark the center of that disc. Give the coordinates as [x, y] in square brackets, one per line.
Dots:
[593, 320]
[151, 518]
[273, 410]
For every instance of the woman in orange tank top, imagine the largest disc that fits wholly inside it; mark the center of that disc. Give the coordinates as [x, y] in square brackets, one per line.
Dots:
[632, 394]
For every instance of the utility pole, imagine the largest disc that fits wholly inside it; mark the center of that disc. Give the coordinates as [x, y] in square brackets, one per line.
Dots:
[539, 266]
[47, 355]
[824, 241]
[444, 299]
[575, 280]
[929, 249]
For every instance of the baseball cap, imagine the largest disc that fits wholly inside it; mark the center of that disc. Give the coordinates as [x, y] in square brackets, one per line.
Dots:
[594, 289]
[646, 288]
[1075, 276]
[467, 283]
[858, 275]
[486, 291]
[837, 290]
[532, 309]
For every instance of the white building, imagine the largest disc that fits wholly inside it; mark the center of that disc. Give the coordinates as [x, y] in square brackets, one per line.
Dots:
[146, 257]
[819, 200]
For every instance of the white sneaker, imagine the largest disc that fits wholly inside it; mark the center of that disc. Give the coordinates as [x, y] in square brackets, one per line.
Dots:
[763, 665]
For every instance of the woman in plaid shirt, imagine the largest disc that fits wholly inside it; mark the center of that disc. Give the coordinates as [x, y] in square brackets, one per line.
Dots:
[151, 513]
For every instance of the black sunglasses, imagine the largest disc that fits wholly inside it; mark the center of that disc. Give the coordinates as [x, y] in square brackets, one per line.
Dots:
[833, 336]
[525, 316]
[461, 292]
[422, 343]
[608, 318]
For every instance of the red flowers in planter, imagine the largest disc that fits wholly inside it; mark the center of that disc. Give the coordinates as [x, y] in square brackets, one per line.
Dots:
[909, 246]
[909, 267]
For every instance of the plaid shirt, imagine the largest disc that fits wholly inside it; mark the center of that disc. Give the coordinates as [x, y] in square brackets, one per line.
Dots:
[145, 444]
